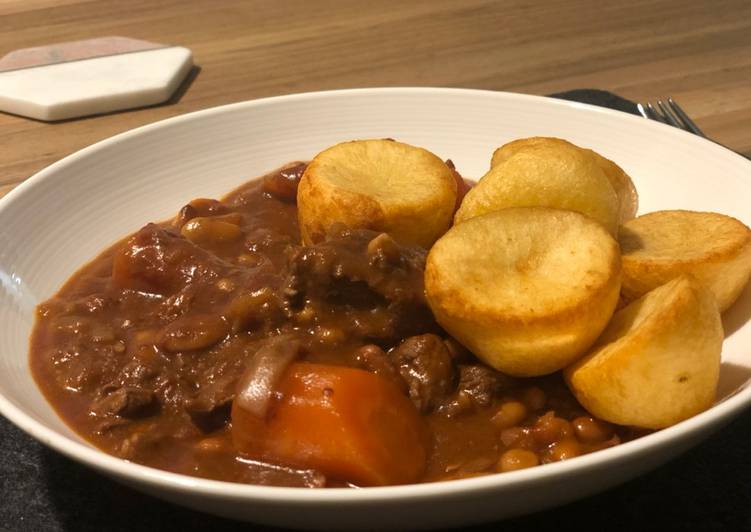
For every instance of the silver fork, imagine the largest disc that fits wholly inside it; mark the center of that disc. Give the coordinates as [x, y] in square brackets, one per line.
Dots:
[669, 112]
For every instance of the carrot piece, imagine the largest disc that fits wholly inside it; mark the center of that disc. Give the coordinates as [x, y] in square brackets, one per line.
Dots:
[349, 424]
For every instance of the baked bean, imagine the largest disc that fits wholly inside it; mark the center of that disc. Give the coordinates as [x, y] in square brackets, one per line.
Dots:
[515, 459]
[225, 285]
[534, 398]
[516, 437]
[102, 334]
[71, 324]
[591, 430]
[199, 207]
[143, 344]
[187, 213]
[194, 332]
[610, 442]
[246, 310]
[510, 413]
[328, 335]
[306, 314]
[550, 429]
[564, 449]
[210, 444]
[283, 184]
[460, 403]
[483, 462]
[206, 206]
[234, 218]
[205, 230]
[374, 359]
[250, 259]
[146, 336]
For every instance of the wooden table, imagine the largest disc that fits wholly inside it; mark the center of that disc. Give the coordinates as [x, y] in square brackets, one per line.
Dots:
[699, 52]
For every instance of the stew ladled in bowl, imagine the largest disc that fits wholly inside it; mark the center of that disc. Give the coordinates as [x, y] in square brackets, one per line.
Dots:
[371, 318]
[147, 348]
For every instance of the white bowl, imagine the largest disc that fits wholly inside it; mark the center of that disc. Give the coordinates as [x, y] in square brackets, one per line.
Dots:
[69, 212]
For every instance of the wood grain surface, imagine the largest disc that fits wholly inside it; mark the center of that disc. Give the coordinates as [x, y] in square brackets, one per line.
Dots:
[698, 52]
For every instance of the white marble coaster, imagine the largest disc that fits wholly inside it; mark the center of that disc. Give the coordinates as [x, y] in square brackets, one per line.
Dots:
[89, 77]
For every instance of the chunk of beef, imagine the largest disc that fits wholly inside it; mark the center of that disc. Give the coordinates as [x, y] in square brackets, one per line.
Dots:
[377, 282]
[148, 370]
[128, 402]
[374, 359]
[137, 373]
[145, 440]
[479, 382]
[210, 408]
[344, 256]
[478, 386]
[179, 303]
[158, 261]
[425, 365]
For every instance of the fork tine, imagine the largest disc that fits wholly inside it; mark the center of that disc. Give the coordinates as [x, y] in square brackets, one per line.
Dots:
[654, 114]
[669, 116]
[687, 122]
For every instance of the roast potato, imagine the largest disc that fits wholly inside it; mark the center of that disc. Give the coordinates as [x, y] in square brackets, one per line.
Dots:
[383, 185]
[550, 174]
[526, 289]
[628, 199]
[659, 246]
[657, 362]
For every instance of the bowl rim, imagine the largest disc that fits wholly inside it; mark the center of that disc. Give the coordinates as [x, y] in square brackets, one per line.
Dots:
[91, 456]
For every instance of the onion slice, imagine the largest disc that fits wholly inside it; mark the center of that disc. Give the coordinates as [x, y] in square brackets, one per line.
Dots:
[256, 386]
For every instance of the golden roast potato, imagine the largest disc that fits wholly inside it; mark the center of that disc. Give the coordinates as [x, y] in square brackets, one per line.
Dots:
[659, 246]
[549, 174]
[383, 185]
[657, 362]
[526, 289]
[628, 199]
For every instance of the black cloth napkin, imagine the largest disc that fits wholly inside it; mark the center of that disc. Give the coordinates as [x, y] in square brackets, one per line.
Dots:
[708, 488]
